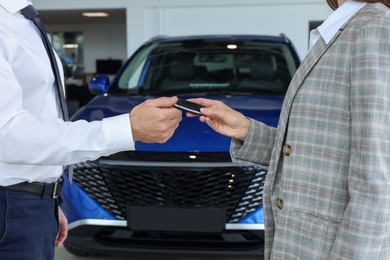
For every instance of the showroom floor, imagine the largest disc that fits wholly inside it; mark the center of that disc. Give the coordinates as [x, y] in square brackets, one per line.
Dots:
[62, 254]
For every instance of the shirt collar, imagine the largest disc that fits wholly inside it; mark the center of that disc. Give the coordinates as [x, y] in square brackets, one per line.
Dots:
[328, 29]
[13, 6]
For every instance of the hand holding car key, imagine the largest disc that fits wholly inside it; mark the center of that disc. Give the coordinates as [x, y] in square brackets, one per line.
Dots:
[188, 106]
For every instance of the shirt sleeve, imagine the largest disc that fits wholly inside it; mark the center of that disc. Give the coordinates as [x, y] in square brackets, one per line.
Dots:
[36, 138]
[26, 139]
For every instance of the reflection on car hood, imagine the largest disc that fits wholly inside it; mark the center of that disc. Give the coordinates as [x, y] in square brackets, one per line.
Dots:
[191, 135]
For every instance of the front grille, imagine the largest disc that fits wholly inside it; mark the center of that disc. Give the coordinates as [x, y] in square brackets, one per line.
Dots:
[238, 189]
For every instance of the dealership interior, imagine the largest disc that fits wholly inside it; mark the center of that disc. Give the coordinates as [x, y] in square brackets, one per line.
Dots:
[94, 38]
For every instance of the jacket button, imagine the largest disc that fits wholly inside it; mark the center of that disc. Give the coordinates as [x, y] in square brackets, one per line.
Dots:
[280, 203]
[287, 150]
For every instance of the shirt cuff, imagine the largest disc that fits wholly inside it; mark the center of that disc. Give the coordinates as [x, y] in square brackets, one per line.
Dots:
[117, 131]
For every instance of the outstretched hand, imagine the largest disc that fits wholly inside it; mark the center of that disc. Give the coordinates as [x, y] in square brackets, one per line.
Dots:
[222, 119]
[155, 120]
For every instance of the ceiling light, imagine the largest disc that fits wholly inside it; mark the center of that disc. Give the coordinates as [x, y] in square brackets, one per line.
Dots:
[70, 46]
[232, 46]
[95, 14]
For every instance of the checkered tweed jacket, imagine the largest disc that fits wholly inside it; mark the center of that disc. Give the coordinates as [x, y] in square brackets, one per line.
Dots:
[329, 196]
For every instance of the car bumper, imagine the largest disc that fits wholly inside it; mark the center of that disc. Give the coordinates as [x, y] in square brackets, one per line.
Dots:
[112, 237]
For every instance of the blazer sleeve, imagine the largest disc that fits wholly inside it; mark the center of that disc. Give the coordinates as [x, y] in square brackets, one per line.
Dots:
[366, 220]
[257, 147]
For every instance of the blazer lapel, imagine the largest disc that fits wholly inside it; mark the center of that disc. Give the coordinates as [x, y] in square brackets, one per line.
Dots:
[311, 59]
[304, 69]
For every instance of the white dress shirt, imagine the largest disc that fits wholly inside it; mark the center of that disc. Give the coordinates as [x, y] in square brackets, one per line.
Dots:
[34, 142]
[328, 29]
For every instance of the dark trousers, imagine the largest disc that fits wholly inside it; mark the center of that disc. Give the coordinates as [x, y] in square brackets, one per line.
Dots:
[28, 226]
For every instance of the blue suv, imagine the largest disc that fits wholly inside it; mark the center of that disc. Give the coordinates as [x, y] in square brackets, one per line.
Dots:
[185, 196]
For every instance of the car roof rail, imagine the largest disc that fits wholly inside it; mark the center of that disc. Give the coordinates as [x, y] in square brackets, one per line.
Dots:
[158, 37]
[284, 36]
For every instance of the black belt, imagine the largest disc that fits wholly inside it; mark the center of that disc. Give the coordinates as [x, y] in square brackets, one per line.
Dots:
[38, 188]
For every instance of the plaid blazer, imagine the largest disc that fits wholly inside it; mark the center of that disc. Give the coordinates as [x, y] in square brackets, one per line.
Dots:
[327, 192]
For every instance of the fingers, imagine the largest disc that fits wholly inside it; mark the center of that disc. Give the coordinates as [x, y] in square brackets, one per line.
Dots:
[155, 120]
[163, 129]
[63, 228]
[212, 108]
[206, 102]
[163, 102]
[222, 118]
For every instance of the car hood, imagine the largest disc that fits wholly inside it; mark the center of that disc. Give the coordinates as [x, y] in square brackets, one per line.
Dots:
[191, 135]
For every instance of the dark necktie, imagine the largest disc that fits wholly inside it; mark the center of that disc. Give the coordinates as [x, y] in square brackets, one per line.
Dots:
[32, 14]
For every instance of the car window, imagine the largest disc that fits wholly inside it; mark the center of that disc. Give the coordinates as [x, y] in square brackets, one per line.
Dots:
[207, 66]
[132, 73]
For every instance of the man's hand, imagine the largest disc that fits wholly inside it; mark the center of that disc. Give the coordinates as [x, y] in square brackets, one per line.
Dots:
[222, 118]
[63, 228]
[155, 120]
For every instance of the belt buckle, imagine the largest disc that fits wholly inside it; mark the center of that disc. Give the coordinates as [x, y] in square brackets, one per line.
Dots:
[56, 186]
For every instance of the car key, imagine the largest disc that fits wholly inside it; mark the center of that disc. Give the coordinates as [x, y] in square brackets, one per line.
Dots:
[188, 106]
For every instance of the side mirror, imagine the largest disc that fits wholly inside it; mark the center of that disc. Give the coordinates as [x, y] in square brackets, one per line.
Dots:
[99, 85]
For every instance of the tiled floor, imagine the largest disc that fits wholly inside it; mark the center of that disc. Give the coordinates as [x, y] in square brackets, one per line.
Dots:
[62, 254]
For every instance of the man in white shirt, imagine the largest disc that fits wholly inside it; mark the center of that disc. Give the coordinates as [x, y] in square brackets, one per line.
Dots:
[35, 143]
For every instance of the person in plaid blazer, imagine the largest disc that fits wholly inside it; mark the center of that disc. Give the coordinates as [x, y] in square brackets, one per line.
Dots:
[327, 192]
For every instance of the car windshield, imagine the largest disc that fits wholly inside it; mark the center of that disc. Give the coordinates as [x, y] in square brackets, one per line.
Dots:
[211, 66]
